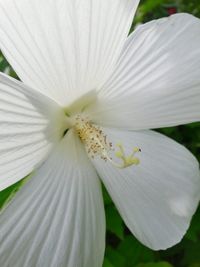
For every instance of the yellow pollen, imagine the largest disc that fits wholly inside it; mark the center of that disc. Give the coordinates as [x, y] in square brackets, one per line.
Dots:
[93, 138]
[96, 144]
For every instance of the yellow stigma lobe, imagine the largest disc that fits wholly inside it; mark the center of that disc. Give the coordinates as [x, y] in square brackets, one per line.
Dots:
[127, 160]
[96, 144]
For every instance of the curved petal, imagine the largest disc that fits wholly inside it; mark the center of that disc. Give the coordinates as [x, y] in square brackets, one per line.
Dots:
[158, 197]
[64, 48]
[30, 124]
[57, 218]
[156, 82]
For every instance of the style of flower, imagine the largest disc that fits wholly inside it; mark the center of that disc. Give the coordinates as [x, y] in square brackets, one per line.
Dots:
[88, 97]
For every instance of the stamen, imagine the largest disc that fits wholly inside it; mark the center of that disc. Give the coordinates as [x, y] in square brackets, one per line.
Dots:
[96, 144]
[93, 137]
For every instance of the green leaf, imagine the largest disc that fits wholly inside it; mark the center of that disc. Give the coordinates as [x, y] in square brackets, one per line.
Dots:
[134, 252]
[194, 230]
[7, 194]
[106, 196]
[114, 222]
[150, 5]
[107, 263]
[115, 258]
[155, 264]
[195, 265]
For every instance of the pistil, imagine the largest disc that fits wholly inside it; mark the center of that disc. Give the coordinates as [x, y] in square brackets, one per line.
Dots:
[97, 144]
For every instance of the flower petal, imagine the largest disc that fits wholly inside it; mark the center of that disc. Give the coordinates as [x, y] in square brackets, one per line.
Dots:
[157, 81]
[27, 129]
[57, 218]
[158, 197]
[64, 48]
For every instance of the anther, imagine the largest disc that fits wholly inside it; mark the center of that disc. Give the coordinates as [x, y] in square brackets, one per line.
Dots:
[96, 144]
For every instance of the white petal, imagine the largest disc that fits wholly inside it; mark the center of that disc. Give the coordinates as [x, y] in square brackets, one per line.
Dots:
[157, 81]
[64, 48]
[57, 218]
[158, 197]
[29, 126]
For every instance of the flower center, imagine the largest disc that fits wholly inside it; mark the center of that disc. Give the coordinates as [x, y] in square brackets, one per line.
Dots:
[97, 144]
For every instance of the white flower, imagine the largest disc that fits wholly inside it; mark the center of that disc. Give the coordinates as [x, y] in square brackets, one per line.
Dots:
[86, 87]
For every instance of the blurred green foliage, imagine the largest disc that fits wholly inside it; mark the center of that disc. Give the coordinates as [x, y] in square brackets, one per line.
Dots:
[122, 249]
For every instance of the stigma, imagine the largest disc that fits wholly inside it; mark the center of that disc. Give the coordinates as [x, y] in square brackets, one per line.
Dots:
[97, 144]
